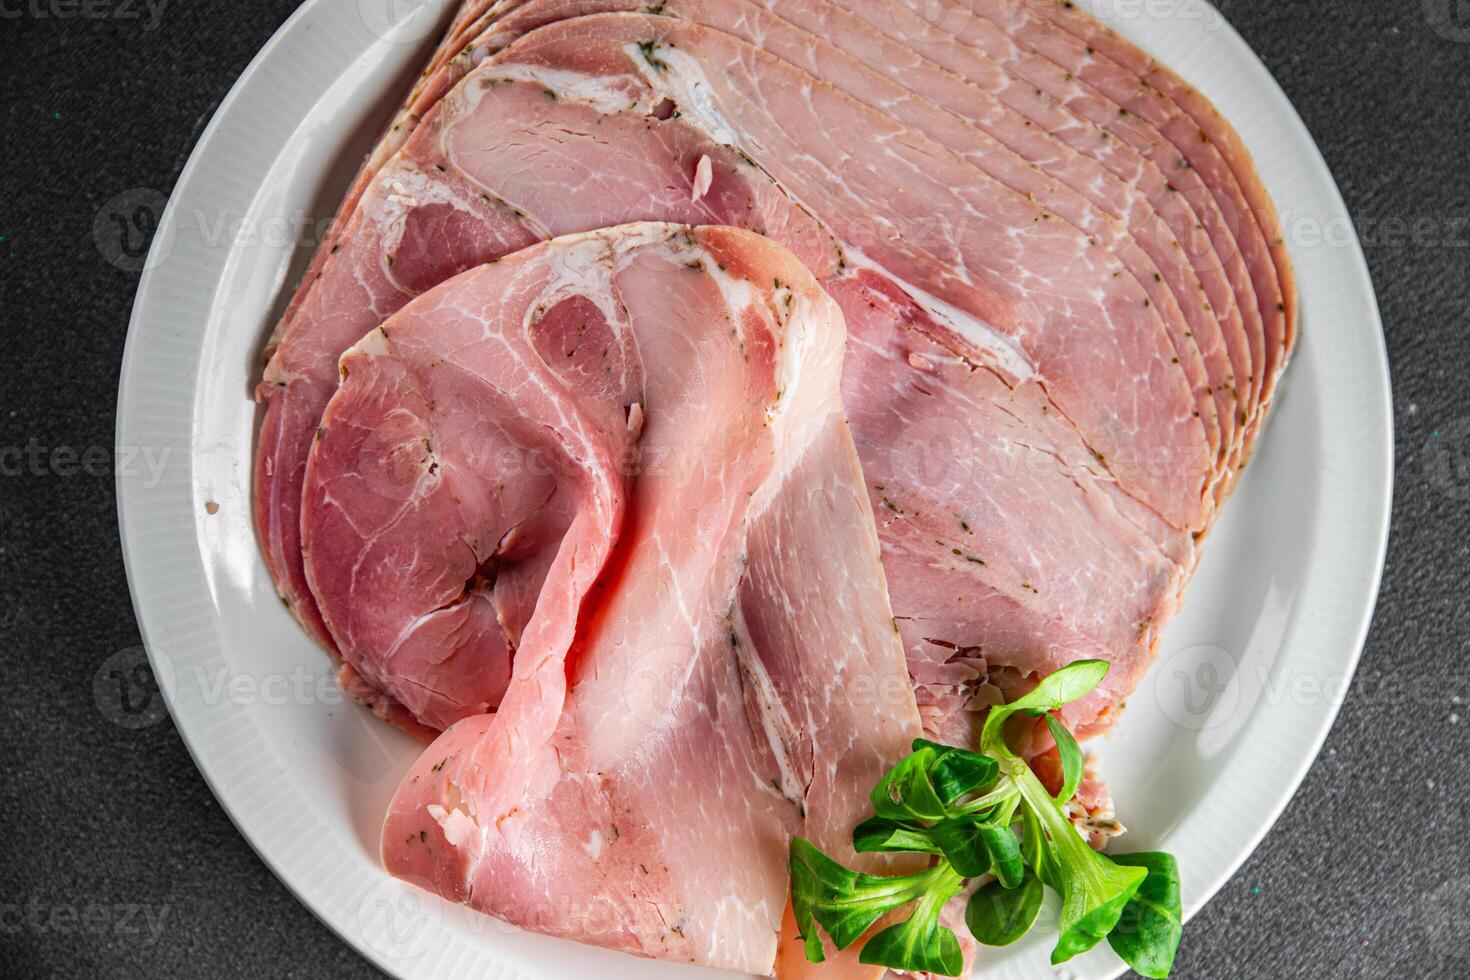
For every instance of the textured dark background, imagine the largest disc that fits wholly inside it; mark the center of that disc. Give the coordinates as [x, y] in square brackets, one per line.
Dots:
[1366, 875]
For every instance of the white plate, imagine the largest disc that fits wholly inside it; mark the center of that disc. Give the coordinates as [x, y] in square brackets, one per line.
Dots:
[1214, 745]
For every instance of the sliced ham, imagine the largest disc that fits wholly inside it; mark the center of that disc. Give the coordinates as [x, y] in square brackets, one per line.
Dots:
[428, 215]
[591, 508]
[1065, 305]
[1164, 94]
[990, 46]
[1171, 219]
[1076, 69]
[1019, 606]
[984, 497]
[1067, 619]
[1073, 188]
[711, 665]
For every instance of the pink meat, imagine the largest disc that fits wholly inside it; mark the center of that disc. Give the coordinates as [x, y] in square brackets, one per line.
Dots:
[931, 50]
[425, 92]
[1033, 606]
[985, 497]
[1041, 604]
[431, 213]
[1142, 218]
[1197, 122]
[357, 289]
[732, 677]
[909, 204]
[1076, 69]
[1206, 220]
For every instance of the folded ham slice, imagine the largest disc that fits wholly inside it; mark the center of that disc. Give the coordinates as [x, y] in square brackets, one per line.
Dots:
[710, 665]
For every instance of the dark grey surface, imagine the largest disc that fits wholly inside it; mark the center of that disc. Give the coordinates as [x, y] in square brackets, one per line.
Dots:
[115, 859]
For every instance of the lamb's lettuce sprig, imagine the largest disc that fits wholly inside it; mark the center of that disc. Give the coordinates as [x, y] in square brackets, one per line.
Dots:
[982, 813]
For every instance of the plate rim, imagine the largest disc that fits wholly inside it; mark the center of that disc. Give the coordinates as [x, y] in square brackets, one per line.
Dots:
[134, 544]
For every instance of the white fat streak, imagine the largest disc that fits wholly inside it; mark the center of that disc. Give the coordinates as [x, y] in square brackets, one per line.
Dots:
[584, 265]
[683, 80]
[798, 339]
[773, 715]
[406, 187]
[602, 92]
[456, 822]
[983, 335]
[704, 176]
[375, 344]
[587, 261]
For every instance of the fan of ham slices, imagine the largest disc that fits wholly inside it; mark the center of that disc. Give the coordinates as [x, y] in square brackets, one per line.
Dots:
[576, 499]
[646, 423]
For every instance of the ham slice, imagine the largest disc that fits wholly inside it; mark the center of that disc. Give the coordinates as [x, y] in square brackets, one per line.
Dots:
[710, 666]
[984, 497]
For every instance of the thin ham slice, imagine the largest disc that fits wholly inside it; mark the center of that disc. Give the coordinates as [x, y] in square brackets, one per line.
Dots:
[711, 665]
[984, 496]
[1082, 69]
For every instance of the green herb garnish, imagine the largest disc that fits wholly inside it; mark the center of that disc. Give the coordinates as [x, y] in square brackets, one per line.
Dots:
[998, 916]
[986, 813]
[1147, 935]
